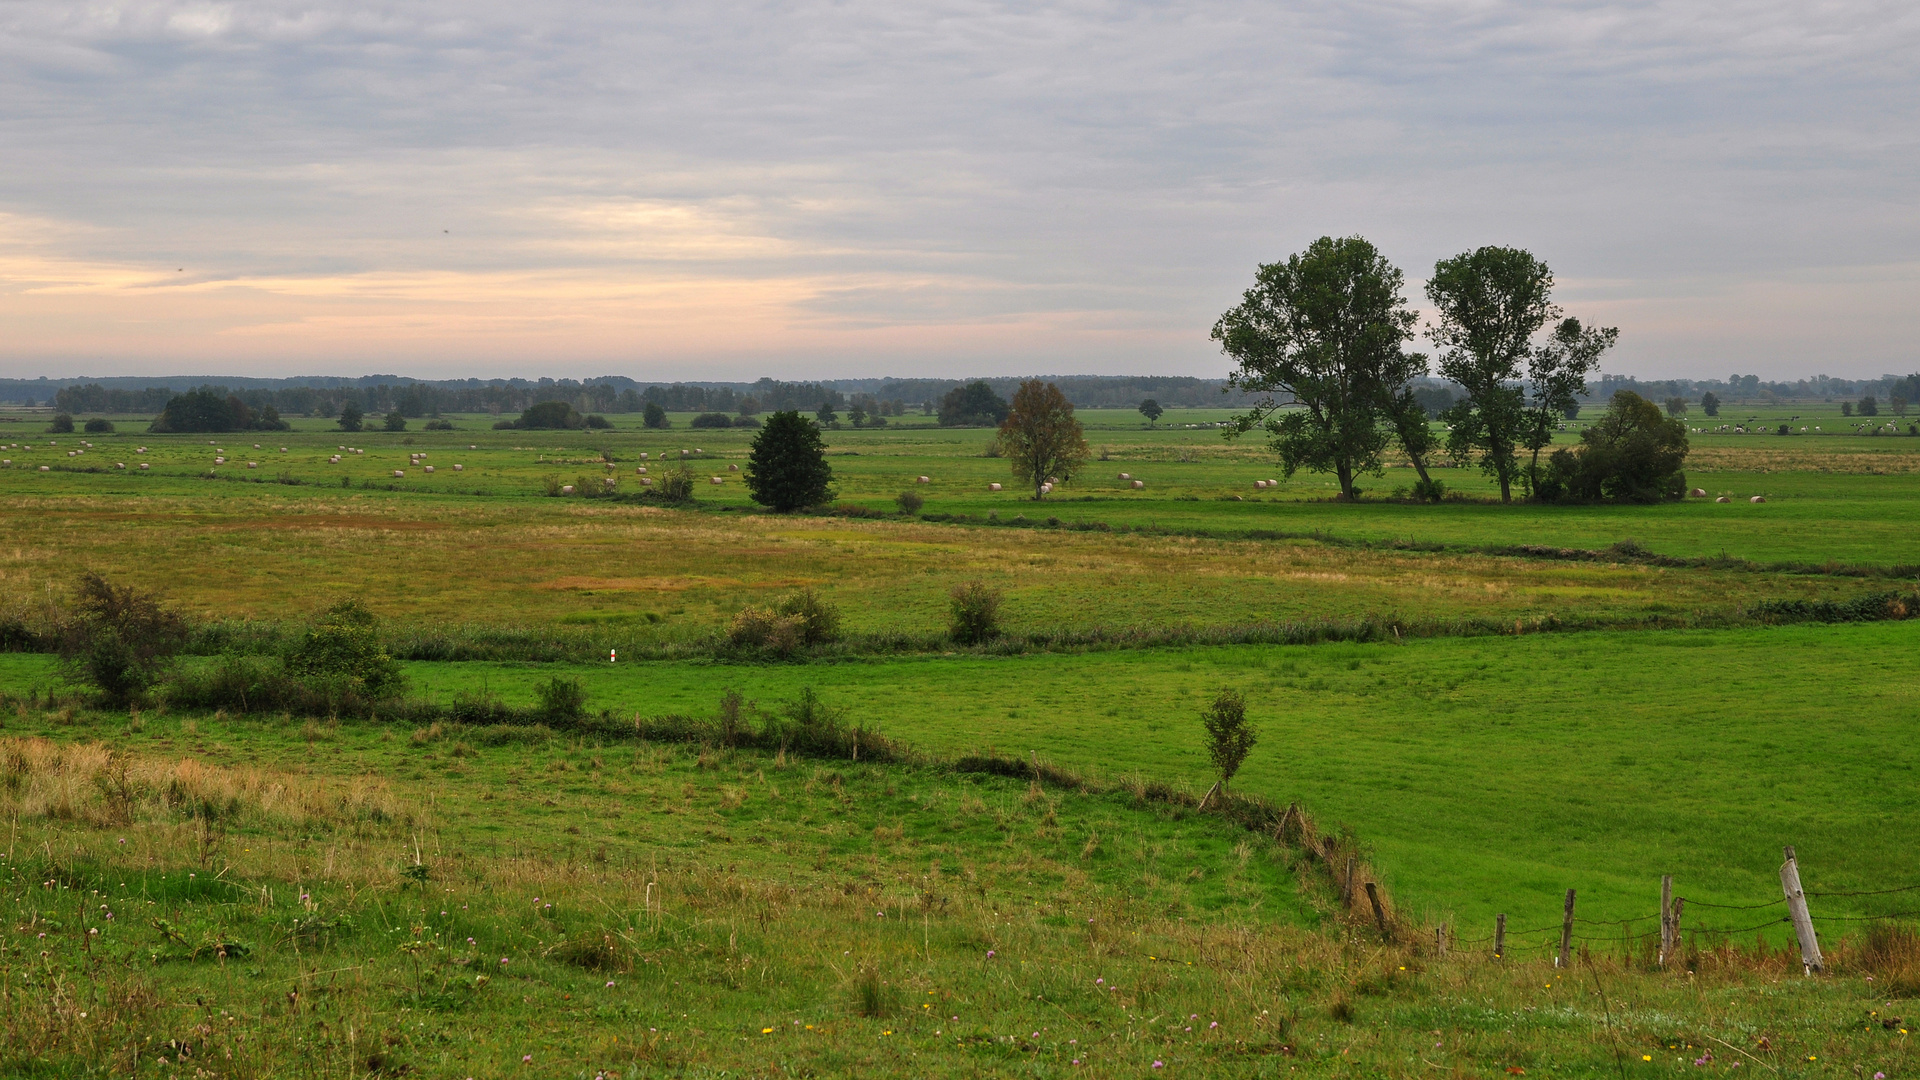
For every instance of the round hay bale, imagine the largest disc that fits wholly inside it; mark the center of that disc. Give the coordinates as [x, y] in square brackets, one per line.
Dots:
[1758, 499]
[1126, 476]
[459, 468]
[1722, 499]
[143, 465]
[714, 480]
[1138, 484]
[733, 468]
[925, 480]
[566, 489]
[398, 473]
[429, 468]
[990, 487]
[1697, 493]
[1259, 485]
[49, 468]
[646, 481]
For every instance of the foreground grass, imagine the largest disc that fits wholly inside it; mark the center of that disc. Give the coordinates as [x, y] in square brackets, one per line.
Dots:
[252, 898]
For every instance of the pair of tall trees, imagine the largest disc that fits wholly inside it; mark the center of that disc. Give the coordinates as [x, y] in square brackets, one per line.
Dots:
[1320, 336]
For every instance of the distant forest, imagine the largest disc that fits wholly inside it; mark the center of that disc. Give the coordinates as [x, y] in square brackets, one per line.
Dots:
[325, 396]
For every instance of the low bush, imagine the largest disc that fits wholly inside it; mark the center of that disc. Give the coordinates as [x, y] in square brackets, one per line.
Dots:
[676, 484]
[99, 426]
[794, 622]
[712, 420]
[119, 639]
[974, 614]
[909, 502]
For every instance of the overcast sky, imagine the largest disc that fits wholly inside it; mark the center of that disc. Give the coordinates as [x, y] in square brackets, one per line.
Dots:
[720, 189]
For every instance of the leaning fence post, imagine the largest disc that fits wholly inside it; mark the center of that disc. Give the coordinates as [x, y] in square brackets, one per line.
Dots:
[1566, 934]
[1797, 909]
[1379, 913]
[1499, 936]
[1666, 918]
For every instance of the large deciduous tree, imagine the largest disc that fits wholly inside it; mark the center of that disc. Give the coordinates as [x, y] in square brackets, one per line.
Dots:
[1556, 377]
[787, 468]
[1319, 337]
[1040, 437]
[1489, 303]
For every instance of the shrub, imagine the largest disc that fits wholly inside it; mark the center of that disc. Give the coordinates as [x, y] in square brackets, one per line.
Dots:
[62, 424]
[975, 613]
[342, 653]
[909, 502]
[676, 484]
[747, 422]
[350, 417]
[819, 619]
[120, 639]
[797, 620]
[598, 422]
[438, 425]
[394, 422]
[1429, 490]
[99, 425]
[713, 420]
[1633, 454]
[1230, 737]
[654, 417]
[562, 698]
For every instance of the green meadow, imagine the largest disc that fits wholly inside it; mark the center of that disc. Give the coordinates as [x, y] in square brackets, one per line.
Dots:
[1484, 705]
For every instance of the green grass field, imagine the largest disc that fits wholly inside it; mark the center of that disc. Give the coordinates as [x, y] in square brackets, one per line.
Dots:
[1483, 767]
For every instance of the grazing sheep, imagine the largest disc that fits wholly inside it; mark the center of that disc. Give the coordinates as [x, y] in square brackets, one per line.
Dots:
[990, 487]
[1722, 499]
[1138, 484]
[476, 446]
[1046, 489]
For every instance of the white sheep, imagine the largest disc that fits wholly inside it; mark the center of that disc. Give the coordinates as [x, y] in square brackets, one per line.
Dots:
[1697, 493]
[473, 446]
[1046, 489]
[611, 465]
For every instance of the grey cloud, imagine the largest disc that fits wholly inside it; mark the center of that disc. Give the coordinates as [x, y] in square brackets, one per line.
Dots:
[1120, 165]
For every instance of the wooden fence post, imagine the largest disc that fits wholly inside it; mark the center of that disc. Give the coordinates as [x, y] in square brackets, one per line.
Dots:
[1679, 905]
[1379, 913]
[1666, 918]
[1566, 934]
[1500, 936]
[1797, 909]
[1346, 890]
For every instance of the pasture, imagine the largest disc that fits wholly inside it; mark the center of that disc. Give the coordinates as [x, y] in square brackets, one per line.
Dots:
[1495, 703]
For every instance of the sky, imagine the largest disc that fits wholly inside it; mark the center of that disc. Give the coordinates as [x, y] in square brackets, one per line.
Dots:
[726, 190]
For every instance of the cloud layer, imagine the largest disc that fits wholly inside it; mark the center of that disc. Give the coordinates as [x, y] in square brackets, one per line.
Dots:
[735, 189]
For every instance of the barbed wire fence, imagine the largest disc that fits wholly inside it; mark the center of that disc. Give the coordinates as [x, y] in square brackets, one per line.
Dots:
[1673, 929]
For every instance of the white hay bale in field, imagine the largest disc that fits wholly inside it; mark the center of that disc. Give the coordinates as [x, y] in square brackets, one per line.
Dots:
[119, 464]
[646, 481]
[459, 468]
[566, 489]
[924, 480]
[641, 471]
[683, 453]
[46, 468]
[607, 481]
[143, 465]
[611, 465]
[253, 464]
[399, 473]
[643, 457]
[1126, 476]
[256, 446]
[1722, 499]
[1697, 493]
[714, 480]
[1259, 485]
[429, 468]
[360, 452]
[473, 446]
[283, 449]
[1138, 484]
[990, 487]
[733, 468]
[1758, 499]
[697, 450]
[1239, 498]
[1046, 489]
